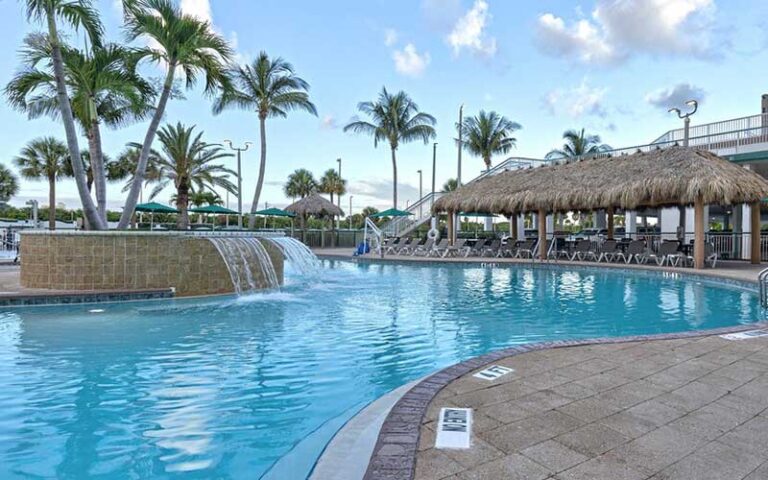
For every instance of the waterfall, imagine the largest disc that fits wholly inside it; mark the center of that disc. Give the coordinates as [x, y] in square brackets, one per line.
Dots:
[239, 253]
[298, 254]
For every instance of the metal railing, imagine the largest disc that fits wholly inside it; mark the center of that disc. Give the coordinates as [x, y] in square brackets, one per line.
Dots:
[716, 128]
[762, 280]
[373, 236]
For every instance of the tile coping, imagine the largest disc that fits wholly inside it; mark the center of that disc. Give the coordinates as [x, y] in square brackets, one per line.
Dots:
[83, 297]
[394, 456]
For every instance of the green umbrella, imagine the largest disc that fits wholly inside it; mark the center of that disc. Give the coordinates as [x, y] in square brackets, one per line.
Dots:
[213, 210]
[274, 212]
[477, 214]
[152, 208]
[392, 212]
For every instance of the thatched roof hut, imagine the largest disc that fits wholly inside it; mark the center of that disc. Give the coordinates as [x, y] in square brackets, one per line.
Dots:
[315, 205]
[660, 178]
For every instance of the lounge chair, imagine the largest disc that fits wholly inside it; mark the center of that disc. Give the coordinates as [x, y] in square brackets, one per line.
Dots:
[559, 249]
[668, 254]
[492, 250]
[635, 251]
[439, 249]
[509, 249]
[423, 249]
[409, 247]
[710, 256]
[583, 251]
[608, 251]
[526, 249]
[394, 245]
[477, 249]
[456, 249]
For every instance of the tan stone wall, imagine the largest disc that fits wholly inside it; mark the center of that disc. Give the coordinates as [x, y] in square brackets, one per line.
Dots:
[130, 261]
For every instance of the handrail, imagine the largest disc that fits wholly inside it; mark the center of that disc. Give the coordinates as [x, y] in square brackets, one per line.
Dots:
[376, 232]
[762, 280]
[722, 126]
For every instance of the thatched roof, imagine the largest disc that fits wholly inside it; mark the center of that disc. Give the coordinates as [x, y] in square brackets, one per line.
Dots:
[315, 205]
[660, 178]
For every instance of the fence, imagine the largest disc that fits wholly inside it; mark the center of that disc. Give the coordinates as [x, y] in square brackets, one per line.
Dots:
[328, 239]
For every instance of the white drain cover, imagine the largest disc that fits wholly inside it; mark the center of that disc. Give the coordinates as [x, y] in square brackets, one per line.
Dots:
[493, 372]
[454, 428]
[745, 335]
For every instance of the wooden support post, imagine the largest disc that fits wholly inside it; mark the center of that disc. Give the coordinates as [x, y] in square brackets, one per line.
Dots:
[610, 223]
[450, 228]
[513, 227]
[542, 215]
[699, 245]
[754, 226]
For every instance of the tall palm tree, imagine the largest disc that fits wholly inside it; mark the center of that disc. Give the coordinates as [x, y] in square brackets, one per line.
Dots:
[332, 184]
[395, 119]
[45, 158]
[450, 185]
[78, 14]
[578, 144]
[182, 43]
[104, 88]
[301, 183]
[271, 88]
[187, 162]
[9, 184]
[489, 134]
[123, 168]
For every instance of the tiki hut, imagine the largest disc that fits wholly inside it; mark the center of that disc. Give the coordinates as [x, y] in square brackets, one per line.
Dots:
[316, 206]
[676, 176]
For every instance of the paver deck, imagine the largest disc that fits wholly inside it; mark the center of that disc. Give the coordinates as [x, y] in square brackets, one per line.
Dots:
[688, 409]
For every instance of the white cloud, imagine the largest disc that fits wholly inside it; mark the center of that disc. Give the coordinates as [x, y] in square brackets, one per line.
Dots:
[329, 122]
[200, 9]
[618, 29]
[441, 14]
[390, 37]
[469, 32]
[577, 101]
[409, 62]
[675, 96]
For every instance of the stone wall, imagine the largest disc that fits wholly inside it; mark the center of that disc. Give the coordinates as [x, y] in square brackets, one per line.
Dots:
[129, 261]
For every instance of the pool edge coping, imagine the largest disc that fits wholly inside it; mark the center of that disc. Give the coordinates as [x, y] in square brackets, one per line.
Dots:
[394, 455]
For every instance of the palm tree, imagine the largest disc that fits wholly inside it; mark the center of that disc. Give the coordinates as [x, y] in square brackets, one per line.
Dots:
[79, 14]
[9, 184]
[182, 42]
[186, 161]
[46, 158]
[301, 183]
[124, 167]
[450, 185]
[204, 198]
[489, 134]
[395, 119]
[104, 88]
[332, 184]
[578, 144]
[271, 88]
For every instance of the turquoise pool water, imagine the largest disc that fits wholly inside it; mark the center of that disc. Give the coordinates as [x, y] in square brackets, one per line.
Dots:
[255, 386]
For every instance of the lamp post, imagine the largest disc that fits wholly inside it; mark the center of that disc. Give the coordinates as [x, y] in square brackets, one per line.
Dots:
[338, 199]
[458, 176]
[239, 179]
[434, 170]
[421, 192]
[686, 138]
[350, 211]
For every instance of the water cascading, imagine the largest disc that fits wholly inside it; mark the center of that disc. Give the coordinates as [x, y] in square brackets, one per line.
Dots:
[241, 254]
[298, 254]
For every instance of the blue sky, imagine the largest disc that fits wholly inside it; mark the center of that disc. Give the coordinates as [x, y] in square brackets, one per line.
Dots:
[611, 66]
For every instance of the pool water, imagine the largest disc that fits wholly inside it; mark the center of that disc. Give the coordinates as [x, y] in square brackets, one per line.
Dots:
[256, 386]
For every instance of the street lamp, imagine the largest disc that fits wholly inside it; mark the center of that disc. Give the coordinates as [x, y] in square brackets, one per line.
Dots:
[434, 170]
[686, 119]
[239, 179]
[338, 200]
[350, 211]
[421, 193]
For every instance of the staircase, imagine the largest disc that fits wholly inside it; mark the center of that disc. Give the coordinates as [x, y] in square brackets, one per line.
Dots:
[422, 210]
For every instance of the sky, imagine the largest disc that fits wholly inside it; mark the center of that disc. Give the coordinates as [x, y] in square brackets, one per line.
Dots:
[613, 67]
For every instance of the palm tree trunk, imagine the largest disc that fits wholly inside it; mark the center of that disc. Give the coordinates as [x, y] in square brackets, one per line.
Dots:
[182, 204]
[394, 178]
[89, 209]
[141, 167]
[262, 166]
[51, 203]
[97, 165]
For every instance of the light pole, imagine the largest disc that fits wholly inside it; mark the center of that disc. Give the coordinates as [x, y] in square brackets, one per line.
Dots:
[686, 137]
[338, 199]
[239, 179]
[421, 192]
[434, 170]
[350, 211]
[456, 224]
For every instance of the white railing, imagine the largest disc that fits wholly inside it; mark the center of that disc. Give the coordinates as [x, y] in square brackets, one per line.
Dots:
[716, 128]
[373, 236]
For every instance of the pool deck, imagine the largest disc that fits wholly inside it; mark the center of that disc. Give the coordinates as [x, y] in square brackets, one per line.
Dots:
[682, 406]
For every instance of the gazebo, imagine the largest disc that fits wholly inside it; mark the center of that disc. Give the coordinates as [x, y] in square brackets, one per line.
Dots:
[675, 176]
[316, 206]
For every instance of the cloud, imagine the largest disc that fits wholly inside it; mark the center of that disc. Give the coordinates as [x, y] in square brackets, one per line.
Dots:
[469, 32]
[329, 122]
[675, 96]
[619, 29]
[578, 101]
[200, 9]
[390, 37]
[381, 191]
[441, 14]
[409, 62]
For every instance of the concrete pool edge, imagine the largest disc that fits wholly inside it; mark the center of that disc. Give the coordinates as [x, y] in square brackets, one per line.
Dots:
[394, 455]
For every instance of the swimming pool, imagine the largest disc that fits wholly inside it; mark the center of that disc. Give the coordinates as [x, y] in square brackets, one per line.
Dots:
[227, 387]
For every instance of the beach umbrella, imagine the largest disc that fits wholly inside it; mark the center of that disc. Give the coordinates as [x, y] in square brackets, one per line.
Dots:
[152, 208]
[213, 210]
[275, 212]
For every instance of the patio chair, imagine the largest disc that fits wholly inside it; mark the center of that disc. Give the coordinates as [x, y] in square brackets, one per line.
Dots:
[635, 251]
[493, 249]
[409, 247]
[456, 249]
[668, 254]
[526, 249]
[710, 256]
[583, 251]
[509, 249]
[608, 251]
[394, 245]
[424, 248]
[439, 249]
[477, 249]
[559, 249]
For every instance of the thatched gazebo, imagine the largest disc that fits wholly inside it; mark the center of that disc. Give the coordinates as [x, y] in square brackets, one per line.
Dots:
[675, 176]
[316, 206]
